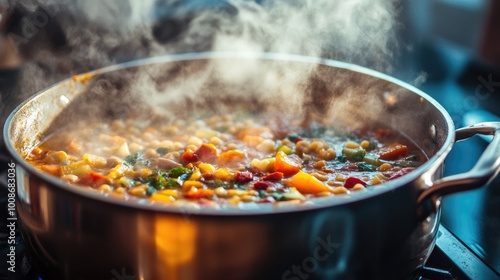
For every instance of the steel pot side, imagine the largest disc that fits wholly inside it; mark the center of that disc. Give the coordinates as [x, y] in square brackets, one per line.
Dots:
[374, 234]
[431, 127]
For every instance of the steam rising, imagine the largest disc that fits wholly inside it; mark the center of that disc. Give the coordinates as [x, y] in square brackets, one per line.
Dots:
[101, 33]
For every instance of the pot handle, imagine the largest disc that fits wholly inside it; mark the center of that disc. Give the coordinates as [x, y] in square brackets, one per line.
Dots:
[485, 169]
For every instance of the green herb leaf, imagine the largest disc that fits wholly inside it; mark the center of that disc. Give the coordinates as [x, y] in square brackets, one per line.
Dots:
[218, 183]
[132, 159]
[342, 158]
[150, 191]
[365, 167]
[354, 154]
[172, 183]
[294, 137]
[160, 182]
[278, 196]
[180, 170]
[262, 193]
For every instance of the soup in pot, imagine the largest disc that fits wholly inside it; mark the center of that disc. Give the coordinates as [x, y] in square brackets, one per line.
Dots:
[225, 160]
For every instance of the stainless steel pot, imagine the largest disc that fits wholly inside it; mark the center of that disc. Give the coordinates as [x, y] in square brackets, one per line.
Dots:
[383, 233]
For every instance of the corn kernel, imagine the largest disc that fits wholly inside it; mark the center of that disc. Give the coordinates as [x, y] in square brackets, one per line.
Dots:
[105, 188]
[340, 178]
[265, 165]
[206, 168]
[234, 192]
[70, 178]
[223, 174]
[169, 192]
[150, 153]
[134, 148]
[137, 191]
[161, 198]
[119, 190]
[248, 198]
[358, 187]
[384, 167]
[328, 154]
[196, 175]
[365, 144]
[252, 192]
[231, 146]
[193, 140]
[340, 190]
[319, 164]
[316, 146]
[351, 145]
[235, 200]
[334, 183]
[57, 157]
[320, 176]
[324, 194]
[266, 146]
[144, 172]
[220, 192]
[123, 150]
[189, 184]
[216, 141]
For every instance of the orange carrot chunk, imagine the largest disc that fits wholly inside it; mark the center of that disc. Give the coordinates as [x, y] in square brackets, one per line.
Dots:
[393, 151]
[231, 156]
[207, 153]
[288, 165]
[306, 183]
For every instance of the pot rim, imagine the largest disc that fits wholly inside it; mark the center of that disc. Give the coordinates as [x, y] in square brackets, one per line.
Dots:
[422, 171]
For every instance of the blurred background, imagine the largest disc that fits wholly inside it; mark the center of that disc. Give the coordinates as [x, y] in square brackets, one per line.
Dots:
[448, 48]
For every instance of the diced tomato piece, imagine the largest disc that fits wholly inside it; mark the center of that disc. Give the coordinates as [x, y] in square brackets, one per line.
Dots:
[288, 165]
[383, 133]
[93, 179]
[189, 156]
[393, 151]
[207, 153]
[243, 176]
[275, 176]
[262, 185]
[351, 181]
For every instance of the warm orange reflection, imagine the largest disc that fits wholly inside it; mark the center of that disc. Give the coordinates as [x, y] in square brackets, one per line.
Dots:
[175, 245]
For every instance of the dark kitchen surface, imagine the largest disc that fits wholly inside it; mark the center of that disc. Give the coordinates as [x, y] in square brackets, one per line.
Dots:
[454, 46]
[471, 219]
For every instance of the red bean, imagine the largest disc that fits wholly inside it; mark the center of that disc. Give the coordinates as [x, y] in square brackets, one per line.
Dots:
[351, 181]
[243, 177]
[275, 176]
